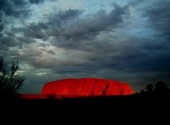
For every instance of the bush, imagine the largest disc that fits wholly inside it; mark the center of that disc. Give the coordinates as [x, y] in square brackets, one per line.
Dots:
[10, 82]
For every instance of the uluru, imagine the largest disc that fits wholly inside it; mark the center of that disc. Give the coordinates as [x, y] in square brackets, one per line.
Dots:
[86, 87]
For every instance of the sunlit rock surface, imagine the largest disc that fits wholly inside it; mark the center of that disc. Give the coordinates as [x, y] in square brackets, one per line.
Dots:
[86, 87]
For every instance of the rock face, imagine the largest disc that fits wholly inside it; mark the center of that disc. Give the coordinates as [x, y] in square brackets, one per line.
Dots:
[86, 87]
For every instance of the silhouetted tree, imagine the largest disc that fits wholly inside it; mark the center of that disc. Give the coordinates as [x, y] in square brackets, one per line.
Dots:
[161, 88]
[142, 92]
[10, 82]
[149, 89]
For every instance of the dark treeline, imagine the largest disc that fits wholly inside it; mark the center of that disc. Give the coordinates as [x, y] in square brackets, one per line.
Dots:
[159, 89]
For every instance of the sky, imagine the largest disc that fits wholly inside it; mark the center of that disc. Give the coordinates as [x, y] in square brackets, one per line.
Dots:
[124, 40]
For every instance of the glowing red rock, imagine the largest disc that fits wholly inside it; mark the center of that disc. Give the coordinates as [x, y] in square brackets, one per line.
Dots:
[86, 87]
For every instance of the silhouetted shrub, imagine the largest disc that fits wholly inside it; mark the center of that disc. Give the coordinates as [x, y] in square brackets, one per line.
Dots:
[159, 89]
[149, 89]
[9, 81]
[142, 92]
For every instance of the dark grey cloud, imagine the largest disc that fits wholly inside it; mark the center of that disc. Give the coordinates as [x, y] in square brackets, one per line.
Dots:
[3, 48]
[72, 32]
[13, 7]
[16, 8]
[36, 1]
[44, 30]
[8, 41]
[1, 28]
[33, 31]
[159, 17]
[92, 25]
[22, 40]
[62, 17]
[67, 25]
[68, 30]
[158, 49]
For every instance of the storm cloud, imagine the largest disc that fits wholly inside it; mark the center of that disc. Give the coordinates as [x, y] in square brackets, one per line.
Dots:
[16, 8]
